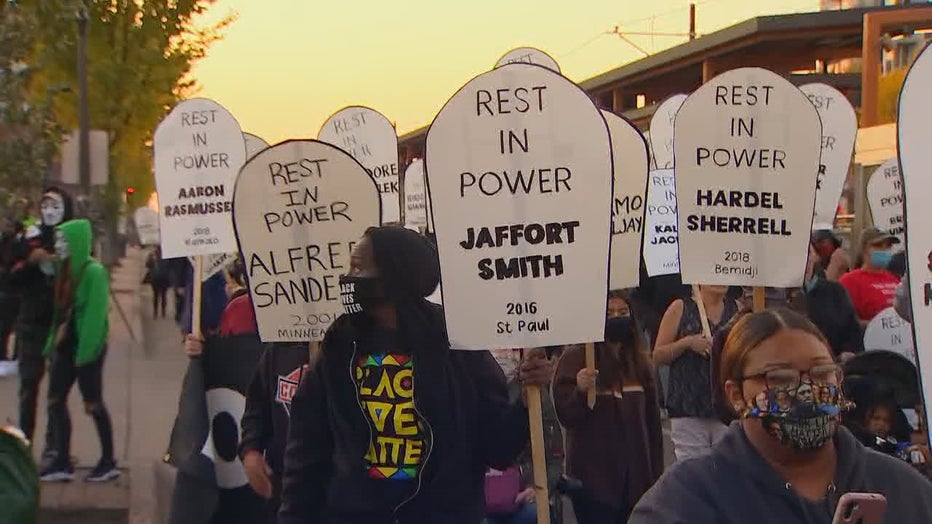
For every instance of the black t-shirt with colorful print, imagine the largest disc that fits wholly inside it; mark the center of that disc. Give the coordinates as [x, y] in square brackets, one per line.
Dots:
[384, 374]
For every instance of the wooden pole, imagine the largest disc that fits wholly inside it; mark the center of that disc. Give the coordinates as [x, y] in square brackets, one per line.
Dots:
[196, 297]
[535, 415]
[590, 365]
[703, 316]
[760, 302]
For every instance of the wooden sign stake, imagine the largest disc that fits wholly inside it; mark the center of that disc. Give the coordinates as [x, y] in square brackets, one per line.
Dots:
[535, 415]
[196, 297]
[760, 302]
[590, 365]
[703, 316]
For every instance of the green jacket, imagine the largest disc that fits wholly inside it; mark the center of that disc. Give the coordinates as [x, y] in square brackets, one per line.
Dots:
[91, 295]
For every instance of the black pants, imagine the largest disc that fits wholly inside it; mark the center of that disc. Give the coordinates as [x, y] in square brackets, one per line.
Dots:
[30, 341]
[62, 376]
[159, 298]
[9, 308]
[590, 511]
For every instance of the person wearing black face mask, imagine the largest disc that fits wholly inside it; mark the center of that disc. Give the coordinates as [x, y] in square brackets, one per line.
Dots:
[390, 424]
[615, 449]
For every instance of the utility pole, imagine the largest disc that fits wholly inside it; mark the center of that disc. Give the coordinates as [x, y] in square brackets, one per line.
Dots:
[692, 21]
[84, 143]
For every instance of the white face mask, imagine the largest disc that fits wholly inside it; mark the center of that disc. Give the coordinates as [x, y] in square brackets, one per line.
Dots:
[61, 246]
[52, 209]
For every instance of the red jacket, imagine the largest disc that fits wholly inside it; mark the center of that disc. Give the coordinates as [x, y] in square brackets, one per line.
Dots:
[238, 318]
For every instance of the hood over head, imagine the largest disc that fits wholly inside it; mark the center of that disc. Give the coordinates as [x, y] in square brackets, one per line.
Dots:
[407, 261]
[61, 210]
[79, 236]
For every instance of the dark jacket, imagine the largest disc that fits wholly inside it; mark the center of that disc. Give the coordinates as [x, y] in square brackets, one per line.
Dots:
[829, 307]
[268, 401]
[736, 485]
[461, 395]
[614, 449]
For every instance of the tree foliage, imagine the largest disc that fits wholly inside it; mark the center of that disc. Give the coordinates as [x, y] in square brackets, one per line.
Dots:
[139, 58]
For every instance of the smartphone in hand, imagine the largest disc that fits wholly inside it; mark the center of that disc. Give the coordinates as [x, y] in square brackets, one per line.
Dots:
[860, 508]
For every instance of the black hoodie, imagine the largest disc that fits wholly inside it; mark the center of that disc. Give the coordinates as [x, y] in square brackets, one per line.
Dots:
[736, 485]
[268, 401]
[26, 279]
[461, 395]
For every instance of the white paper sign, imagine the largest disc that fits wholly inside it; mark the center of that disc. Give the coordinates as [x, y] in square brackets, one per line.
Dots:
[629, 158]
[528, 55]
[661, 240]
[417, 205]
[839, 130]
[254, 144]
[213, 264]
[888, 332]
[885, 196]
[299, 209]
[661, 131]
[370, 138]
[147, 226]
[199, 148]
[915, 113]
[519, 169]
[747, 150]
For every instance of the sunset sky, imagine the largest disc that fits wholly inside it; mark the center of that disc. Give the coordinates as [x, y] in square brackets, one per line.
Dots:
[285, 65]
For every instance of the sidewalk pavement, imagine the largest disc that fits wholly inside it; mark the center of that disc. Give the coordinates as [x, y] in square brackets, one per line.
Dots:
[142, 379]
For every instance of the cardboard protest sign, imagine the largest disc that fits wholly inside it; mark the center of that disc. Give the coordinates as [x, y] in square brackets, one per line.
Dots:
[915, 113]
[213, 264]
[839, 130]
[885, 197]
[748, 145]
[629, 161]
[661, 131]
[254, 144]
[147, 226]
[417, 203]
[519, 169]
[661, 241]
[528, 55]
[199, 148]
[299, 208]
[888, 332]
[370, 138]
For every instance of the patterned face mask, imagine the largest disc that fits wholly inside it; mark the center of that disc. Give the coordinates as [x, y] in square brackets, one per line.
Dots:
[802, 415]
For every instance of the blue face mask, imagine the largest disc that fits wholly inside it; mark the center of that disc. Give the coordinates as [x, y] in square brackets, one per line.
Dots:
[880, 258]
[811, 284]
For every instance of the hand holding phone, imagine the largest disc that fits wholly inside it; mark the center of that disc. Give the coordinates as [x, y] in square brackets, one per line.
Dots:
[860, 508]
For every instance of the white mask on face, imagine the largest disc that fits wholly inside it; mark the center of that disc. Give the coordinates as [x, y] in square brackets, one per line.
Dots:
[61, 246]
[52, 209]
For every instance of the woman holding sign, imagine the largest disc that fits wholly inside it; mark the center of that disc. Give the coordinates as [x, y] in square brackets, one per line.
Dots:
[625, 420]
[788, 459]
[390, 424]
[683, 345]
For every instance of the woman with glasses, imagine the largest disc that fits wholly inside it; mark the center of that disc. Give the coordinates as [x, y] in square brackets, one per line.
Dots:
[789, 463]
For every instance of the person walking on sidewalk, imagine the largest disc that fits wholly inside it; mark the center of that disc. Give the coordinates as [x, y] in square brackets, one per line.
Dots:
[77, 345]
[32, 280]
[9, 300]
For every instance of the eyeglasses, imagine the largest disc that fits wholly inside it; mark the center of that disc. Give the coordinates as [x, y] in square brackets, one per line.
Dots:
[789, 378]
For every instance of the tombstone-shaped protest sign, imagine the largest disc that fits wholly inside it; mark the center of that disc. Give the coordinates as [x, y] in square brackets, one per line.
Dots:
[254, 144]
[370, 138]
[888, 332]
[914, 115]
[630, 163]
[885, 197]
[299, 208]
[147, 226]
[417, 205]
[518, 167]
[661, 131]
[528, 55]
[661, 241]
[839, 130]
[747, 151]
[199, 148]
